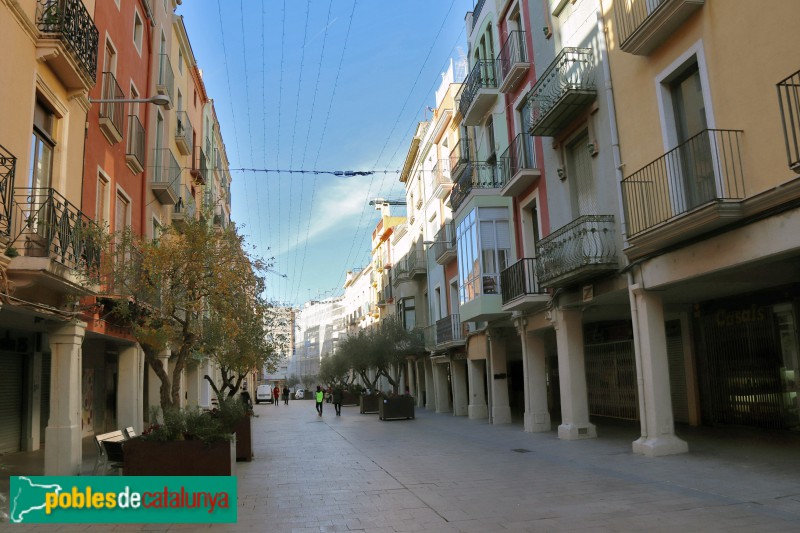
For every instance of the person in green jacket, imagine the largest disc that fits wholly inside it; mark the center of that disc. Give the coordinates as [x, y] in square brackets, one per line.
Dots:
[337, 399]
[319, 396]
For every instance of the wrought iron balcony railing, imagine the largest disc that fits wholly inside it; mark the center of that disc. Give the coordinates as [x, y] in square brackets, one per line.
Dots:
[112, 112]
[183, 132]
[789, 99]
[576, 251]
[706, 168]
[562, 91]
[47, 225]
[459, 156]
[477, 175]
[449, 329]
[444, 241]
[519, 280]
[200, 167]
[512, 53]
[70, 22]
[186, 207]
[134, 152]
[476, 12]
[518, 156]
[8, 165]
[642, 25]
[166, 77]
[482, 76]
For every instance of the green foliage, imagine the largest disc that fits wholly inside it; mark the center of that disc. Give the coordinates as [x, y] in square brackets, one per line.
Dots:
[195, 423]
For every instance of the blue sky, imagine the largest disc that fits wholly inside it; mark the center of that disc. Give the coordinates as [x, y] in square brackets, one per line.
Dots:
[276, 115]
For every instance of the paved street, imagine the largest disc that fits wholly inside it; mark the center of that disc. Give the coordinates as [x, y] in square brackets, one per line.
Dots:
[439, 473]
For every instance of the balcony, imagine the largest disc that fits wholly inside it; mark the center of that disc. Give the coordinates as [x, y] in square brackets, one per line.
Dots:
[519, 288]
[565, 88]
[644, 24]
[478, 175]
[200, 169]
[459, 158]
[518, 168]
[512, 62]
[476, 12]
[112, 114]
[692, 189]
[789, 98]
[410, 266]
[442, 184]
[583, 249]
[184, 133]
[165, 84]
[479, 92]
[68, 41]
[8, 165]
[185, 209]
[449, 332]
[444, 244]
[166, 176]
[47, 226]
[134, 151]
[220, 221]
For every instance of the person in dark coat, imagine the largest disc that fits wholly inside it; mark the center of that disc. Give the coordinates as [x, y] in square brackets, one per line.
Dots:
[285, 395]
[337, 399]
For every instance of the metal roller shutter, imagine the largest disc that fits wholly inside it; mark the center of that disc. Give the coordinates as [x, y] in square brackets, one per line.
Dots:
[677, 372]
[10, 402]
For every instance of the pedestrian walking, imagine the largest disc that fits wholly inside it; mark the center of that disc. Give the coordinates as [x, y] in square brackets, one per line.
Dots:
[285, 395]
[337, 399]
[319, 396]
[276, 392]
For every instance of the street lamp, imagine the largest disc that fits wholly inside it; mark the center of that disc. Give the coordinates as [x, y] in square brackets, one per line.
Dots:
[160, 100]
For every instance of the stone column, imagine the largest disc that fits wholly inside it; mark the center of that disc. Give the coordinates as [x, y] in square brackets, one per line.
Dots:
[412, 386]
[430, 385]
[442, 388]
[458, 380]
[501, 411]
[63, 454]
[476, 374]
[572, 376]
[655, 400]
[537, 417]
[130, 388]
[420, 381]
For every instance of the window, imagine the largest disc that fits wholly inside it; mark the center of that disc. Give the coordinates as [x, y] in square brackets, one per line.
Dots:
[138, 31]
[42, 146]
[579, 174]
[490, 148]
[101, 213]
[407, 311]
[122, 212]
[484, 249]
[134, 105]
[110, 58]
[180, 60]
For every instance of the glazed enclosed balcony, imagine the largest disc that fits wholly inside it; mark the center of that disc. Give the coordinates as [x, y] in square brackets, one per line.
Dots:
[478, 175]
[789, 99]
[563, 91]
[112, 114]
[479, 92]
[183, 133]
[512, 62]
[166, 176]
[444, 244]
[134, 150]
[186, 207]
[165, 83]
[519, 288]
[68, 41]
[8, 165]
[58, 244]
[644, 24]
[583, 249]
[692, 189]
[517, 167]
[449, 332]
[459, 158]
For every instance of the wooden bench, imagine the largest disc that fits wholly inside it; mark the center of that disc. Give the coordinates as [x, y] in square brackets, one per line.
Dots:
[102, 453]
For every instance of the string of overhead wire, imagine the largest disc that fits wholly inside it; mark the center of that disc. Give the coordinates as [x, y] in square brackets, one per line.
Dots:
[322, 139]
[264, 121]
[278, 140]
[296, 280]
[394, 127]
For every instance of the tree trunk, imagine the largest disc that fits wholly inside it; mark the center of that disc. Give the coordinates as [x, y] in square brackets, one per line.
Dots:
[151, 356]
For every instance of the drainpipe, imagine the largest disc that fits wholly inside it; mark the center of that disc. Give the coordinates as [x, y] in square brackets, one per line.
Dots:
[489, 376]
[612, 112]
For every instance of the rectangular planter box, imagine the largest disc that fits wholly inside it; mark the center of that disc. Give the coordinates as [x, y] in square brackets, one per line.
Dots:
[244, 439]
[399, 407]
[179, 458]
[369, 404]
[348, 398]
